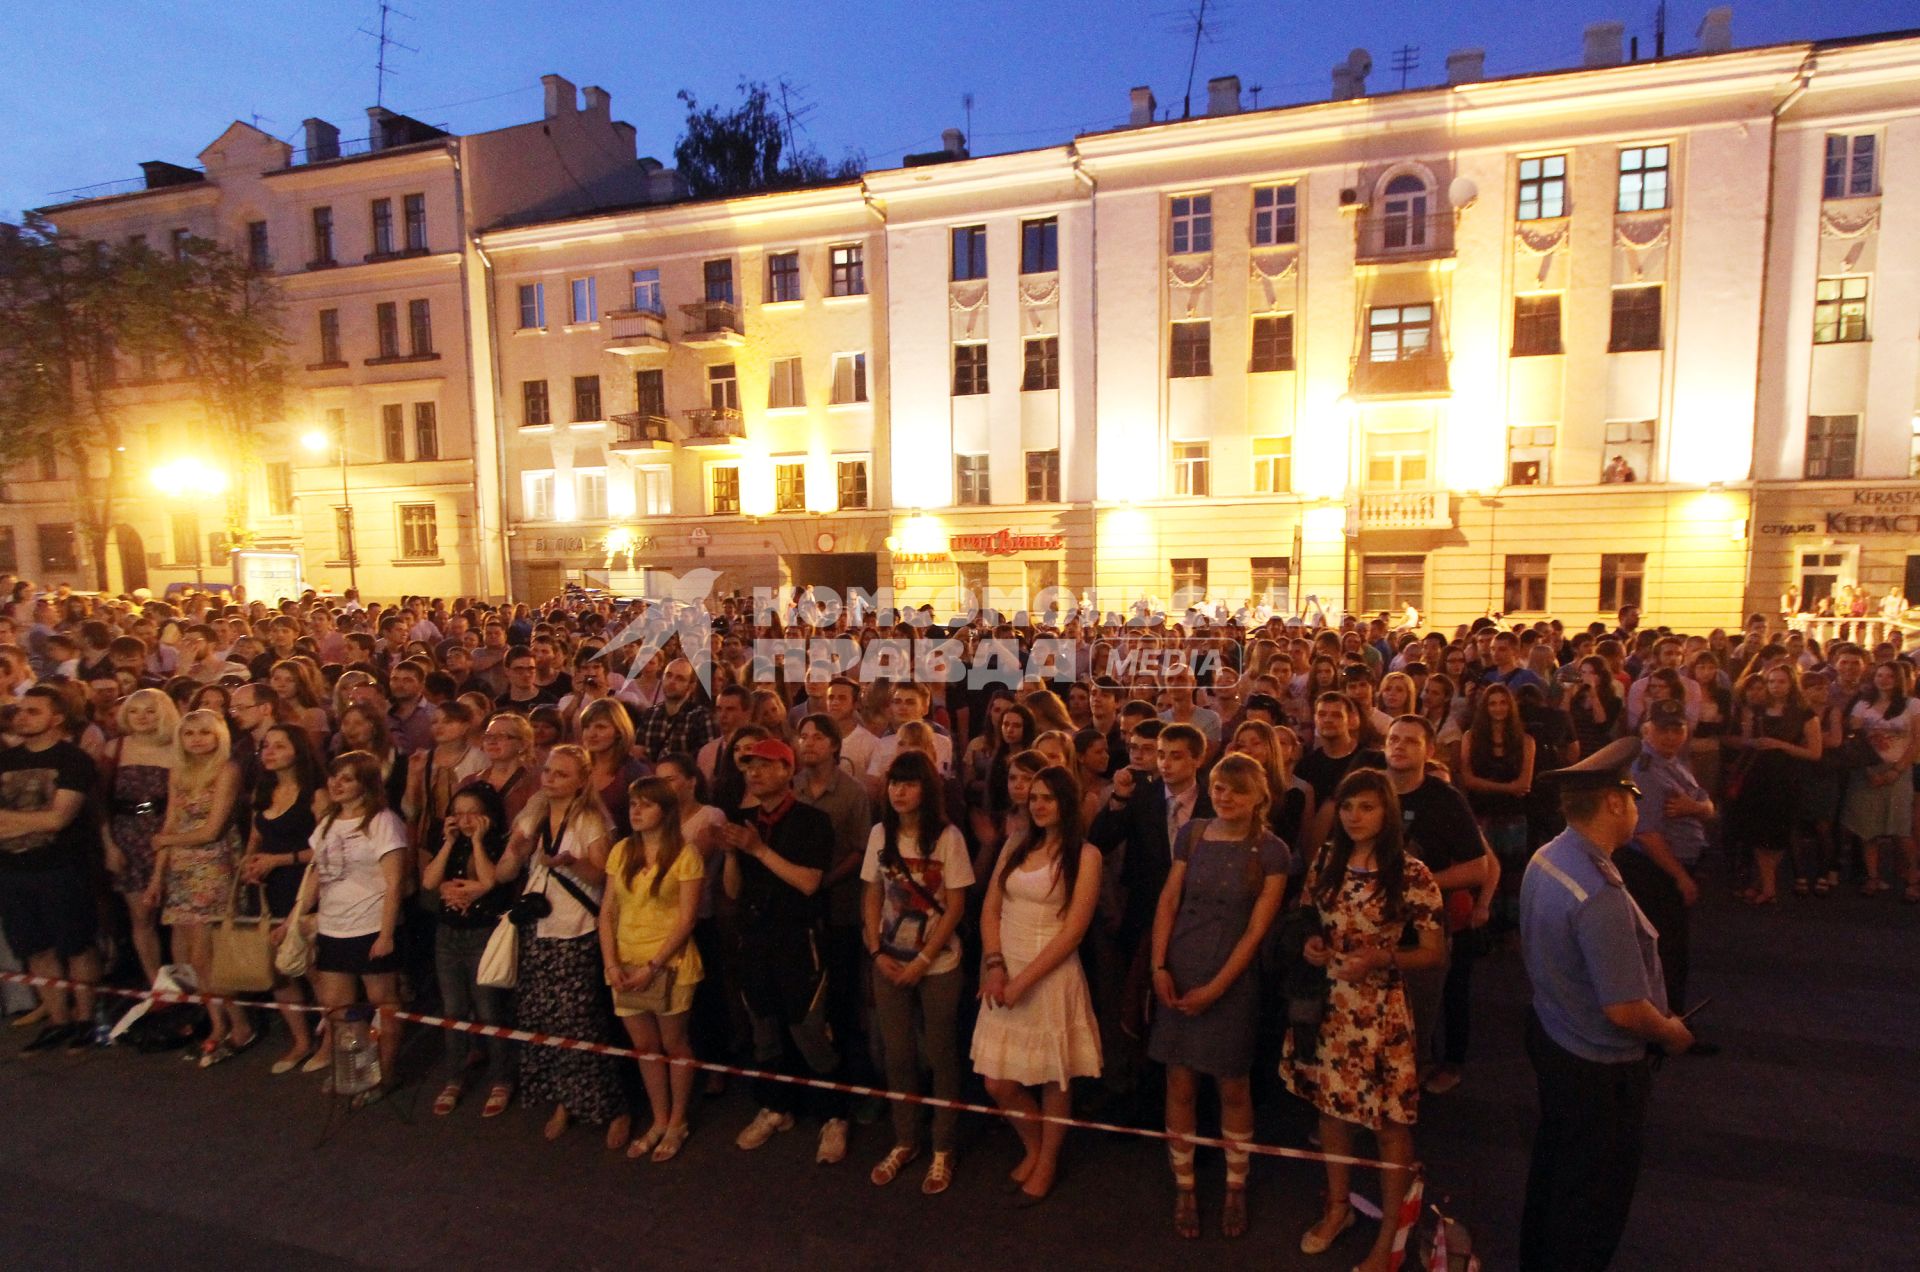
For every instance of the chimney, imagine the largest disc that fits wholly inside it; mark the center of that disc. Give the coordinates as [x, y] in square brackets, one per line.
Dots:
[1342, 82]
[627, 133]
[377, 117]
[562, 98]
[954, 142]
[1602, 45]
[1716, 30]
[323, 140]
[1223, 95]
[1464, 66]
[599, 101]
[1143, 106]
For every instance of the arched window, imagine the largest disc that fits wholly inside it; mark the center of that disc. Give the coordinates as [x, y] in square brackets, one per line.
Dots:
[1404, 213]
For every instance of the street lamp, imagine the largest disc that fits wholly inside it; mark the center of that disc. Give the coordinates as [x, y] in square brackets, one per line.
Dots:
[317, 441]
[191, 479]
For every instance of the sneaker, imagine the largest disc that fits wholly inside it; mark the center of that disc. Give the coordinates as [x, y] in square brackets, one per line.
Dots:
[763, 1127]
[833, 1142]
[50, 1037]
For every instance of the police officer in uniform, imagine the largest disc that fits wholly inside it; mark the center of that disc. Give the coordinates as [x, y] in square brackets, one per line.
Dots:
[1599, 1001]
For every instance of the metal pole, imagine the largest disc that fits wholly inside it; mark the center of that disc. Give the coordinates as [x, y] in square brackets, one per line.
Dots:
[353, 530]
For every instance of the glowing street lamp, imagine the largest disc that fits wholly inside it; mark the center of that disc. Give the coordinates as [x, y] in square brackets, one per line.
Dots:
[317, 441]
[191, 480]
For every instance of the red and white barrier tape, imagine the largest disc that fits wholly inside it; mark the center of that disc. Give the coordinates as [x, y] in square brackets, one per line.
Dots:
[711, 1066]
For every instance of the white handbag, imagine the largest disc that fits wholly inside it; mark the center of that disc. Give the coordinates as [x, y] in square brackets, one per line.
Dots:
[500, 961]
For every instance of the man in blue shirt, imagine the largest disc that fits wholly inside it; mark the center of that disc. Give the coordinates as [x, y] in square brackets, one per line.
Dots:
[1598, 1001]
[1667, 843]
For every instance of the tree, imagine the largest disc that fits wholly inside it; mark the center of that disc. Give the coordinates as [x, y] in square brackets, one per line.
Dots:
[750, 148]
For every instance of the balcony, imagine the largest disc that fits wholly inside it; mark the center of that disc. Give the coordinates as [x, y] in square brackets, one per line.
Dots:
[1382, 238]
[635, 431]
[636, 332]
[714, 426]
[1404, 510]
[713, 324]
[1421, 376]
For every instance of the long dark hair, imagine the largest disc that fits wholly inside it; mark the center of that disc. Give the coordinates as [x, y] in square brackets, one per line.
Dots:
[1480, 733]
[1389, 849]
[658, 792]
[929, 820]
[729, 783]
[309, 773]
[494, 838]
[1066, 796]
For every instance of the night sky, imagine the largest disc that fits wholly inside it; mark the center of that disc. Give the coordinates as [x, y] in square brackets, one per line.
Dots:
[91, 90]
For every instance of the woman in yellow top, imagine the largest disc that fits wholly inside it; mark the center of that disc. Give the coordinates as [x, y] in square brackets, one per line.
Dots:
[646, 930]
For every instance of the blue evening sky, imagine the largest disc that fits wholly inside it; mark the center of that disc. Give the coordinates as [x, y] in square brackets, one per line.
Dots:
[92, 89]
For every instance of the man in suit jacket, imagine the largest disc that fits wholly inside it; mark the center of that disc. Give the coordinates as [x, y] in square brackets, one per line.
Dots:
[1145, 813]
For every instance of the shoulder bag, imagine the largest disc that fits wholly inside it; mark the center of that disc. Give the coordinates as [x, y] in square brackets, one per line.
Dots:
[242, 946]
[295, 955]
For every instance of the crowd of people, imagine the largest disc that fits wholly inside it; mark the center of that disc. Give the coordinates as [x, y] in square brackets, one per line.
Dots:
[1262, 862]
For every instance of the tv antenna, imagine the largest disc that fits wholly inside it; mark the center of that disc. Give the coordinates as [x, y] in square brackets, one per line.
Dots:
[380, 68]
[966, 104]
[794, 109]
[1405, 59]
[259, 119]
[1660, 29]
[1256, 90]
[1193, 61]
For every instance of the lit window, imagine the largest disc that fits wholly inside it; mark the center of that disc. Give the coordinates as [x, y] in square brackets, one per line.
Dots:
[723, 487]
[1192, 223]
[1272, 465]
[1543, 188]
[590, 494]
[1840, 309]
[790, 485]
[1398, 332]
[1388, 584]
[1188, 575]
[1192, 469]
[786, 387]
[851, 477]
[1627, 452]
[849, 270]
[655, 488]
[849, 378]
[1399, 461]
[419, 531]
[1273, 216]
[723, 387]
[1643, 179]
[537, 489]
[1272, 582]
[1530, 454]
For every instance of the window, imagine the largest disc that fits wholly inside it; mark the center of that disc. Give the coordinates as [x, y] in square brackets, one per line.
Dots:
[969, 369]
[586, 398]
[1403, 220]
[1850, 162]
[419, 532]
[1398, 332]
[1543, 188]
[1043, 476]
[386, 323]
[538, 491]
[1042, 360]
[783, 277]
[1398, 461]
[185, 538]
[849, 269]
[650, 392]
[1622, 575]
[970, 484]
[1272, 582]
[1636, 319]
[1391, 583]
[1526, 591]
[533, 306]
[279, 489]
[1191, 220]
[9, 551]
[383, 227]
[1189, 578]
[1832, 441]
[1192, 469]
[851, 480]
[426, 431]
[723, 387]
[1840, 309]
[136, 243]
[723, 487]
[48, 465]
[534, 411]
[787, 387]
[259, 256]
[1192, 350]
[330, 337]
[717, 277]
[59, 550]
[419, 328]
[179, 242]
[1272, 343]
[1274, 216]
[1628, 452]
[1643, 179]
[790, 485]
[646, 292]
[655, 488]
[1536, 325]
[1040, 246]
[1530, 454]
[414, 207]
[590, 494]
[969, 252]
[323, 236]
[343, 534]
[849, 378]
[1272, 465]
[583, 300]
[393, 432]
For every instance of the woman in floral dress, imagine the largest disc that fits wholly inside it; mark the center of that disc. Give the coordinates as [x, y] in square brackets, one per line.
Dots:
[139, 766]
[1370, 895]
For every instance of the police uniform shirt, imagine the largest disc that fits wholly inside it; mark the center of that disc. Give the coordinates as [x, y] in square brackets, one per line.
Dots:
[1586, 946]
[1660, 778]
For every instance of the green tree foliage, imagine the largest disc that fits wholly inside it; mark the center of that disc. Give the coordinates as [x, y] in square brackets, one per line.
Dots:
[750, 148]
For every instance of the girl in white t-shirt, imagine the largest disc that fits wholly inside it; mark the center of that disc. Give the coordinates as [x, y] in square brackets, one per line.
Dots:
[1879, 803]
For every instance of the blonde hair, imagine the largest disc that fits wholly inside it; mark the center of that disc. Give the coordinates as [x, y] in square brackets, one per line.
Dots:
[163, 707]
[192, 774]
[1061, 739]
[584, 815]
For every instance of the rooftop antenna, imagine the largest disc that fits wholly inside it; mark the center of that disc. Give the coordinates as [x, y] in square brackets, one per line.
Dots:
[966, 104]
[1199, 33]
[380, 68]
[1660, 29]
[794, 109]
[1405, 59]
[259, 119]
[1256, 90]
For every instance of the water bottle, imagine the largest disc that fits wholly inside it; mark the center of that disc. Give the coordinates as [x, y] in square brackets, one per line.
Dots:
[356, 1052]
[102, 1025]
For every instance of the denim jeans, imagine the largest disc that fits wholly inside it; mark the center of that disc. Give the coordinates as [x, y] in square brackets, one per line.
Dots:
[456, 957]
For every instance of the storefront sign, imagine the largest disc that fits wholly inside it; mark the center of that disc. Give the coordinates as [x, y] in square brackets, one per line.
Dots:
[1875, 523]
[1886, 498]
[1005, 543]
[559, 543]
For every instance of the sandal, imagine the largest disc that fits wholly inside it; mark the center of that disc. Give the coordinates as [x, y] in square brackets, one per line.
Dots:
[1186, 1214]
[1912, 894]
[672, 1142]
[448, 1099]
[892, 1164]
[939, 1173]
[198, 1055]
[1801, 887]
[1233, 1213]
[497, 1101]
[1874, 887]
[210, 1056]
[1822, 886]
[644, 1145]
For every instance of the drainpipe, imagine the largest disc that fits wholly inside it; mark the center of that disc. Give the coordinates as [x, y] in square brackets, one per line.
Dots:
[499, 441]
[1093, 337]
[473, 351]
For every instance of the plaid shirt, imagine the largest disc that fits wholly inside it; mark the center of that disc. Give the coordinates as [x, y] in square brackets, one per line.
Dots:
[662, 731]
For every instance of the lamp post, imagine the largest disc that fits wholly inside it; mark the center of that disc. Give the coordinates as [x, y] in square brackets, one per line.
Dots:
[316, 441]
[191, 479]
